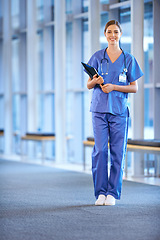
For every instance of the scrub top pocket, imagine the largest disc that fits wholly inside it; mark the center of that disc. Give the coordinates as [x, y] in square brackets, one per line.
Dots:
[96, 99]
[120, 102]
[120, 94]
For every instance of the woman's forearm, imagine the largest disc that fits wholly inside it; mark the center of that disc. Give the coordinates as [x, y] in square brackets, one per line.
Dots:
[132, 88]
[91, 84]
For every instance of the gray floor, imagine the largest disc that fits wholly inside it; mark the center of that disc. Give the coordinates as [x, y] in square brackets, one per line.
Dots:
[39, 202]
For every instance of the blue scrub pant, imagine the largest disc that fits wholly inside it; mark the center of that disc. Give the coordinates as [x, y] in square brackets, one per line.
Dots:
[115, 128]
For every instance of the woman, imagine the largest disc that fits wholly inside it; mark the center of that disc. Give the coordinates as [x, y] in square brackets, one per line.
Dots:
[118, 73]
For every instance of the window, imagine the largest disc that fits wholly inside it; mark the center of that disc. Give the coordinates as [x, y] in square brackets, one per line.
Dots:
[69, 6]
[78, 97]
[15, 14]
[125, 15]
[104, 20]
[40, 10]
[148, 70]
[84, 5]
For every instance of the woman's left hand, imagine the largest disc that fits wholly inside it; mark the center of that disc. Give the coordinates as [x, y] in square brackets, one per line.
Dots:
[107, 88]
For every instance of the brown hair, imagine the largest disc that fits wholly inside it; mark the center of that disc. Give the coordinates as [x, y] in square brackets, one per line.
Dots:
[112, 22]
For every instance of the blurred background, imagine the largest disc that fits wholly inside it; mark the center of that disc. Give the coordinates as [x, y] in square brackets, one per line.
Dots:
[42, 83]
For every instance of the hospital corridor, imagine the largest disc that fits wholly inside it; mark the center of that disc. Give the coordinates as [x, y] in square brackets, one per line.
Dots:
[79, 120]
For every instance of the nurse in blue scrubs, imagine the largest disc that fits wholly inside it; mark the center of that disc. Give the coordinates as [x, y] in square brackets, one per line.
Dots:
[118, 74]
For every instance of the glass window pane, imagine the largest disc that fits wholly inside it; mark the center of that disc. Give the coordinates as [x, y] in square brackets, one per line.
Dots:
[16, 113]
[85, 41]
[2, 111]
[148, 114]
[22, 63]
[15, 65]
[52, 10]
[69, 113]
[69, 8]
[15, 14]
[40, 114]
[125, 43]
[23, 114]
[104, 20]
[148, 70]
[53, 81]
[84, 5]
[1, 78]
[69, 124]
[104, 1]
[40, 60]
[87, 127]
[85, 52]
[2, 114]
[1, 19]
[148, 42]
[46, 113]
[69, 62]
[40, 10]
[125, 15]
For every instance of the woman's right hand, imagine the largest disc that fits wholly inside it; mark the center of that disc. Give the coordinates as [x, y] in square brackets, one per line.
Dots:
[96, 80]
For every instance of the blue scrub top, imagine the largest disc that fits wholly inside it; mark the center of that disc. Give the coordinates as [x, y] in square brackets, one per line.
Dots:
[114, 102]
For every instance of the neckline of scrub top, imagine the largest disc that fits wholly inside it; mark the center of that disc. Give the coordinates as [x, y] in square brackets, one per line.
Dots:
[116, 59]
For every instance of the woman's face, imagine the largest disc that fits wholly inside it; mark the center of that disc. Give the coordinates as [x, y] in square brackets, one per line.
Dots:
[113, 34]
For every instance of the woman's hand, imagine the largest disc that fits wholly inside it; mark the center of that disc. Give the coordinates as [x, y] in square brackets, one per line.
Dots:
[107, 88]
[99, 80]
[96, 80]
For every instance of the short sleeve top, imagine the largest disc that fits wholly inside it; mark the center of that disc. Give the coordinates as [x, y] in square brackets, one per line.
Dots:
[114, 102]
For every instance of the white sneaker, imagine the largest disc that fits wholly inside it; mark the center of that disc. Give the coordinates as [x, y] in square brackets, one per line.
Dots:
[101, 200]
[110, 200]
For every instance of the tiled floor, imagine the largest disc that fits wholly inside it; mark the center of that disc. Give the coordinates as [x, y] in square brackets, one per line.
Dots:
[79, 168]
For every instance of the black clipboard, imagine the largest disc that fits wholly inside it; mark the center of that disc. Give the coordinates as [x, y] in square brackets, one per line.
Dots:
[91, 71]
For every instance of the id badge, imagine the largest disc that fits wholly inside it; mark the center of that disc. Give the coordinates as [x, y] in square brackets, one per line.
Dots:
[122, 77]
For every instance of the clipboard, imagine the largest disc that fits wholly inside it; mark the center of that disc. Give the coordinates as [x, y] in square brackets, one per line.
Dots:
[91, 71]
